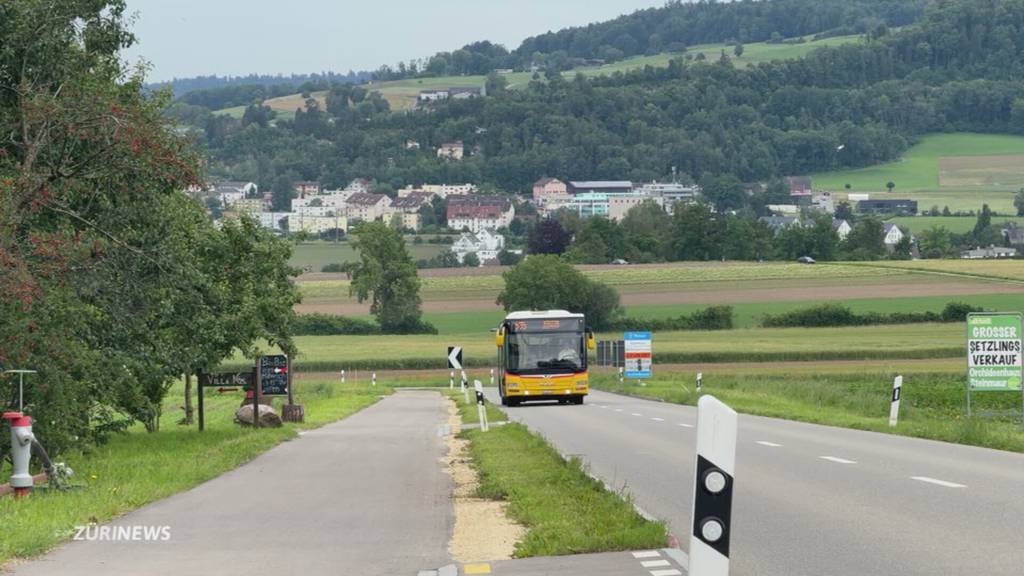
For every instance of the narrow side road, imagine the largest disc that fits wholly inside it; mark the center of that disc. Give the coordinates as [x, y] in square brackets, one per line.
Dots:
[366, 495]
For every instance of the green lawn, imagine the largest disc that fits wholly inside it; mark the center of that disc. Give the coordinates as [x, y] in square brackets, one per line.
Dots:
[918, 169]
[933, 404]
[136, 468]
[563, 509]
[957, 225]
[996, 269]
[917, 174]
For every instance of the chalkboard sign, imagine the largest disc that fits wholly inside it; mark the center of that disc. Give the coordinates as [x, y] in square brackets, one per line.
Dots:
[274, 375]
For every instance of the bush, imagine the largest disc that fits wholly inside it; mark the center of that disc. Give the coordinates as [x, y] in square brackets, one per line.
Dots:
[839, 315]
[710, 318]
[331, 325]
[333, 267]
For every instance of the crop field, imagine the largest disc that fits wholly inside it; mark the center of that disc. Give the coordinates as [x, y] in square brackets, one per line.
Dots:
[955, 224]
[996, 171]
[1001, 269]
[313, 256]
[317, 353]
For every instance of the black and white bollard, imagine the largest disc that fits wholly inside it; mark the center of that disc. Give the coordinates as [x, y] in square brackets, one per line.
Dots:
[621, 378]
[373, 379]
[481, 410]
[894, 408]
[700, 380]
[465, 387]
[492, 377]
[713, 486]
[342, 376]
[451, 380]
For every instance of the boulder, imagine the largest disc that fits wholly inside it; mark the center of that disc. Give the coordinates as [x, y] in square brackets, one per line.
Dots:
[268, 417]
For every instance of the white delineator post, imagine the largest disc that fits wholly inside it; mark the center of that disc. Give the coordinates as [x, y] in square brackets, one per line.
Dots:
[451, 380]
[373, 379]
[700, 380]
[712, 489]
[342, 376]
[465, 387]
[621, 377]
[897, 393]
[492, 377]
[481, 410]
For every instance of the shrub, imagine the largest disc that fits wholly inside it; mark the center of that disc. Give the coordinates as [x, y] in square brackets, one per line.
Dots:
[331, 325]
[333, 267]
[710, 318]
[839, 315]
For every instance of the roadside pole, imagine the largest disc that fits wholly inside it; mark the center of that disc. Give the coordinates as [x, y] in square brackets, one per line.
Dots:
[481, 410]
[894, 408]
[373, 379]
[256, 393]
[712, 488]
[199, 383]
[492, 377]
[451, 380]
[342, 376]
[700, 380]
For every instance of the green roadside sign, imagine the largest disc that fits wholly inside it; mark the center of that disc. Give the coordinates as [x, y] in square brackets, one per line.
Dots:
[994, 360]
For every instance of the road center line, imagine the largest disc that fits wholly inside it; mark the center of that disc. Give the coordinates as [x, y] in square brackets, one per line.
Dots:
[635, 414]
[672, 572]
[837, 460]
[686, 425]
[769, 444]
[938, 482]
[658, 419]
[618, 409]
[655, 563]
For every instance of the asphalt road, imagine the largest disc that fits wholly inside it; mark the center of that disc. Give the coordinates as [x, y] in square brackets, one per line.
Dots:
[365, 496]
[809, 500]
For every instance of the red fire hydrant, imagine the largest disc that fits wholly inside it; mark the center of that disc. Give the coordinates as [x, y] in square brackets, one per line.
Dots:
[21, 451]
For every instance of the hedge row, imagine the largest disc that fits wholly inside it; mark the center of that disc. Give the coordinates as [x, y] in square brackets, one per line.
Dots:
[331, 325]
[710, 318]
[826, 315]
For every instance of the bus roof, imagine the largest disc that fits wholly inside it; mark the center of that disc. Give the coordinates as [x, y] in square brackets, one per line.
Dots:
[541, 314]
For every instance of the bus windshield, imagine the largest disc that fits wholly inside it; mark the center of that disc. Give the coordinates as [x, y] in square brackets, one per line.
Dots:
[545, 352]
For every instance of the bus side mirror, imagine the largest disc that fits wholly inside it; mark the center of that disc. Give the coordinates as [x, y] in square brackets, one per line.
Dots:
[591, 343]
[499, 338]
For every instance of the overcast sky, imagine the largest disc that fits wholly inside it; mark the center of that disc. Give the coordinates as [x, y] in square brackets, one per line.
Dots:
[183, 38]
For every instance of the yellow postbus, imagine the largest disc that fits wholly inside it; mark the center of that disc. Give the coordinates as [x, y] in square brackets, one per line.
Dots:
[543, 356]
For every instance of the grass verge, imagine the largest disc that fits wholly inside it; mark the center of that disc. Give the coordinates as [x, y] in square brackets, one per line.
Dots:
[136, 468]
[564, 510]
[933, 404]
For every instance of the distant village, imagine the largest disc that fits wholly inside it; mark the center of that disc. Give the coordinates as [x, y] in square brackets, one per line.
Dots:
[484, 219]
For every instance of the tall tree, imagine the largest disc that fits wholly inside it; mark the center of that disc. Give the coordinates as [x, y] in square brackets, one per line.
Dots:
[548, 237]
[386, 275]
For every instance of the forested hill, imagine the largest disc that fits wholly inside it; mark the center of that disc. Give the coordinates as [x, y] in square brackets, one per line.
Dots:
[671, 28]
[958, 68]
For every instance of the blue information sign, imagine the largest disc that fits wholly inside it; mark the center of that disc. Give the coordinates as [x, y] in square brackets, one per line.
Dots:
[638, 354]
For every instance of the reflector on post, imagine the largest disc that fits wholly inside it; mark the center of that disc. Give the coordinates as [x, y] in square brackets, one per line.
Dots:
[712, 489]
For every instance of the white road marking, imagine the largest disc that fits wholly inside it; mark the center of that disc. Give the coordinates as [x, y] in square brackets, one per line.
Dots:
[658, 419]
[686, 425]
[938, 482]
[599, 406]
[647, 554]
[655, 563]
[618, 409]
[837, 460]
[769, 444]
[635, 414]
[672, 572]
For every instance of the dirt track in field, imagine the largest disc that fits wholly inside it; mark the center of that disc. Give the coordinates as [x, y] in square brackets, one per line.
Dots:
[702, 295]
